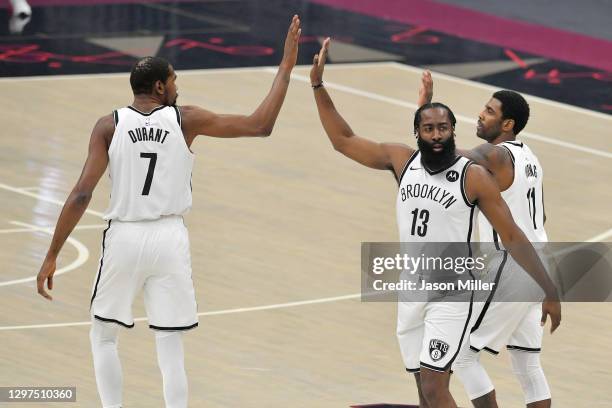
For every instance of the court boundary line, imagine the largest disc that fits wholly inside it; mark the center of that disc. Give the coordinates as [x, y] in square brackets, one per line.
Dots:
[78, 227]
[82, 257]
[345, 65]
[204, 71]
[211, 313]
[462, 118]
[43, 198]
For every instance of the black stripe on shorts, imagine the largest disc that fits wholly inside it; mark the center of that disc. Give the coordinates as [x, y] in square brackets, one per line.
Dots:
[527, 349]
[107, 320]
[93, 296]
[178, 328]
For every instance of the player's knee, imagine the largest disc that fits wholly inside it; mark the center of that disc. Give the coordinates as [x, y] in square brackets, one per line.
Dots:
[525, 363]
[432, 384]
[528, 371]
[466, 360]
[103, 333]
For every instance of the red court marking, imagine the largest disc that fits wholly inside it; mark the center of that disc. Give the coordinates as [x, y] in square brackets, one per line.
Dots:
[11, 51]
[515, 58]
[31, 53]
[554, 76]
[415, 36]
[49, 3]
[243, 50]
[517, 35]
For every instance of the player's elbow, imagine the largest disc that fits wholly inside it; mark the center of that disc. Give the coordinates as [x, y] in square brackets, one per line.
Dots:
[81, 198]
[265, 131]
[340, 143]
[513, 237]
[341, 148]
[261, 129]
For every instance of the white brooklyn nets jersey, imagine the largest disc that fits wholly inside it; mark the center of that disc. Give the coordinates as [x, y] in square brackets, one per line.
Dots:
[433, 206]
[150, 165]
[524, 197]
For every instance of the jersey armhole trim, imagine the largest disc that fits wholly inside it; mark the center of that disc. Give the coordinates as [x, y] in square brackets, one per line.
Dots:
[410, 160]
[511, 155]
[178, 116]
[116, 117]
[463, 193]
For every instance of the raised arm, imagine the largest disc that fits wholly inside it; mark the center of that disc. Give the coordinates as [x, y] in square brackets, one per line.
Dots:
[482, 189]
[426, 89]
[78, 200]
[197, 121]
[382, 156]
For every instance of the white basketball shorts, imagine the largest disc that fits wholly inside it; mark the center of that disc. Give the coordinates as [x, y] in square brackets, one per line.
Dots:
[430, 334]
[502, 321]
[152, 256]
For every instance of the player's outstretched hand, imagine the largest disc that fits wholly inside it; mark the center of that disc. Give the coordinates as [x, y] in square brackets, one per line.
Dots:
[318, 64]
[426, 89]
[46, 275]
[291, 43]
[552, 308]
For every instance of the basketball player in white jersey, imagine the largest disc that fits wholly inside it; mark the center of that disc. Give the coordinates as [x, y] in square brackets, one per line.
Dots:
[430, 334]
[514, 325]
[145, 246]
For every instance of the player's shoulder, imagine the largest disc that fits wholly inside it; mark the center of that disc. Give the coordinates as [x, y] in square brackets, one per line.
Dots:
[494, 154]
[475, 171]
[399, 150]
[193, 114]
[189, 110]
[399, 154]
[106, 124]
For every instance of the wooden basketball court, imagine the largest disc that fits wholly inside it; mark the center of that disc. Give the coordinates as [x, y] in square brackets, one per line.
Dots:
[276, 229]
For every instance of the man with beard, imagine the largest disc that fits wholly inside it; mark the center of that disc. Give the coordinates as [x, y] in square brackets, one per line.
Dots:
[146, 245]
[430, 334]
[519, 175]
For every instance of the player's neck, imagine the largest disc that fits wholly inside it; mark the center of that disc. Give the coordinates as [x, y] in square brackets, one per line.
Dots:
[504, 137]
[146, 103]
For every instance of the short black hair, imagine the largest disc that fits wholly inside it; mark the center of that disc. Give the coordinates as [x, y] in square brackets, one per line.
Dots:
[432, 105]
[515, 107]
[146, 72]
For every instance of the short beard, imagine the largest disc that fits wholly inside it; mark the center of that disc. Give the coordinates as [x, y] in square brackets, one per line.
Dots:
[435, 160]
[489, 136]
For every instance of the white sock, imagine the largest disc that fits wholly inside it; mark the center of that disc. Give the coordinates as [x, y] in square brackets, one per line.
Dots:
[104, 339]
[171, 360]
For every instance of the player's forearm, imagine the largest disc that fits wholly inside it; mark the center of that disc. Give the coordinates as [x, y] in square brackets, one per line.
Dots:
[337, 129]
[265, 115]
[73, 210]
[525, 255]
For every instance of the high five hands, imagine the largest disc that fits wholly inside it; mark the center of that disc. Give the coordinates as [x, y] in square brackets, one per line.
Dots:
[318, 64]
[291, 43]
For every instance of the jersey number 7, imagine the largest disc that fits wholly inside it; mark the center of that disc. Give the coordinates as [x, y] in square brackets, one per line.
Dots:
[152, 161]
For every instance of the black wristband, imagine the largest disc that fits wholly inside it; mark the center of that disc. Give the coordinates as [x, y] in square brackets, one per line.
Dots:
[317, 86]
